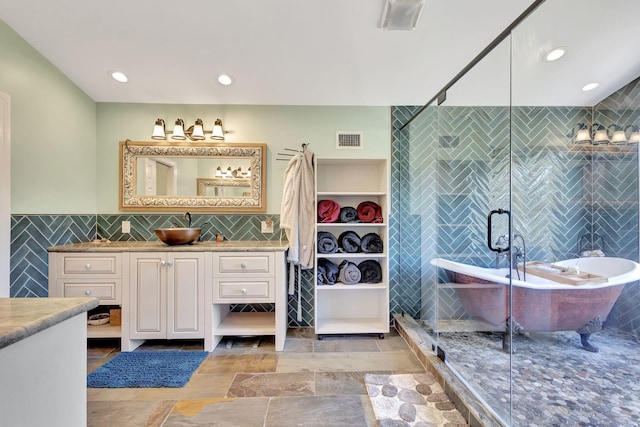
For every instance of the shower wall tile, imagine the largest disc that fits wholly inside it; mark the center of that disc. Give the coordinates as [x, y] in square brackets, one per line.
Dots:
[451, 167]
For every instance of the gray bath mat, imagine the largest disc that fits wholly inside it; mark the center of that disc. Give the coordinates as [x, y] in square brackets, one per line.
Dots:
[411, 400]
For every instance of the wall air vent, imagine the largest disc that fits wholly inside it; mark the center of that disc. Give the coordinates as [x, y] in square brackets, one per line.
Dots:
[349, 140]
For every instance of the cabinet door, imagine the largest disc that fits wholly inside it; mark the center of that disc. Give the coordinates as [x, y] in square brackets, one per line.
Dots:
[185, 287]
[148, 293]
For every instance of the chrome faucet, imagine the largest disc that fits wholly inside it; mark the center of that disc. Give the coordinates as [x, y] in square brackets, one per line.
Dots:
[187, 215]
[520, 253]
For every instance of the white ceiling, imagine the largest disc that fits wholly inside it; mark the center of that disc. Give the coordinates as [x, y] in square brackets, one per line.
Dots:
[309, 52]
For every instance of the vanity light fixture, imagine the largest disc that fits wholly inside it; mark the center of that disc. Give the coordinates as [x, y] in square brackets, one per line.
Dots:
[634, 137]
[178, 130]
[195, 132]
[618, 136]
[600, 134]
[581, 134]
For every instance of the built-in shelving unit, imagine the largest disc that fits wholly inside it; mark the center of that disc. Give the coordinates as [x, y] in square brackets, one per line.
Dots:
[361, 308]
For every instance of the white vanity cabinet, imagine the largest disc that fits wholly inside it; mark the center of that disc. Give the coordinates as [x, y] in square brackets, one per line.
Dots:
[177, 292]
[247, 278]
[166, 295]
[83, 274]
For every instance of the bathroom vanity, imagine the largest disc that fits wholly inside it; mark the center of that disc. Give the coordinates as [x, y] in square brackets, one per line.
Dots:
[177, 292]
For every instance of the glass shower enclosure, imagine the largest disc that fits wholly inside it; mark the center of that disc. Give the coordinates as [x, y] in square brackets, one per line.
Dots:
[496, 173]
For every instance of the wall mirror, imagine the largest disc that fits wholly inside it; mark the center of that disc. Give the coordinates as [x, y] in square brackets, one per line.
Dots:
[215, 177]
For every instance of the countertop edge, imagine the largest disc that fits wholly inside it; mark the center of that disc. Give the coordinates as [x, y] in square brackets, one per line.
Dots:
[157, 246]
[31, 325]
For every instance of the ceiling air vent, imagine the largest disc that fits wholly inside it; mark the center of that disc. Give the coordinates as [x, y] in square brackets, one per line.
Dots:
[348, 140]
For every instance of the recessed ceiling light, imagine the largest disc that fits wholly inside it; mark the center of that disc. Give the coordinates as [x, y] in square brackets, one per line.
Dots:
[225, 79]
[118, 76]
[554, 54]
[590, 86]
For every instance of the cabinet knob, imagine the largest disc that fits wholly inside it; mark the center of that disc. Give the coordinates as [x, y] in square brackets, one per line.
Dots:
[169, 263]
[244, 291]
[243, 265]
[88, 266]
[87, 292]
[163, 263]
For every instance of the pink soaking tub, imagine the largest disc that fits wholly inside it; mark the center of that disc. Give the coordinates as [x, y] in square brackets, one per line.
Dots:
[540, 304]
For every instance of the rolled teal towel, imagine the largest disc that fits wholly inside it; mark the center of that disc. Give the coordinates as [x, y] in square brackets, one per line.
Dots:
[327, 272]
[371, 243]
[348, 214]
[327, 243]
[370, 271]
[349, 241]
[349, 273]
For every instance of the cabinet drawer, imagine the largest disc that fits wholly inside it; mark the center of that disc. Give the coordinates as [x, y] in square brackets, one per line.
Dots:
[244, 291]
[106, 291]
[241, 264]
[106, 265]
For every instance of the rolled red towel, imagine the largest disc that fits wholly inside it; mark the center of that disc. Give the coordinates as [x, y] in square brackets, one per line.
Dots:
[328, 211]
[369, 212]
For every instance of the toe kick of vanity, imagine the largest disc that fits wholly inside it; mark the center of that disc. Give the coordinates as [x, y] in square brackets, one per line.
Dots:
[204, 290]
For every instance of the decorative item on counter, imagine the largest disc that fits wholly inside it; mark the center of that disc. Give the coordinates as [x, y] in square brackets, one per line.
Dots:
[349, 241]
[98, 319]
[327, 243]
[349, 273]
[372, 243]
[370, 212]
[370, 271]
[348, 214]
[328, 211]
[327, 272]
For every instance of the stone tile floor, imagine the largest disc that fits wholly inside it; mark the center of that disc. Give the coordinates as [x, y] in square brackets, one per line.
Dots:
[311, 383]
[550, 380]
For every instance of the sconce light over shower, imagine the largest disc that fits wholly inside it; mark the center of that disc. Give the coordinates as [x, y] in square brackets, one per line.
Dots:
[195, 132]
[599, 135]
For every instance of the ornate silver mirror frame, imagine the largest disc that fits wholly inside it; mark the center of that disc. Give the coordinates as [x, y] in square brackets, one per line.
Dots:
[251, 155]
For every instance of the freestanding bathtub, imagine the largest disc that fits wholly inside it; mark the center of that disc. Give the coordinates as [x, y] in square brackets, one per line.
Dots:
[540, 304]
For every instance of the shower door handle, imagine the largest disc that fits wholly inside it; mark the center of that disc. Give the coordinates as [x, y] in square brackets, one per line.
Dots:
[489, 239]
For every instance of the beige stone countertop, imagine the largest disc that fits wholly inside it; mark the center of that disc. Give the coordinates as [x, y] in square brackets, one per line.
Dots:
[22, 317]
[158, 246]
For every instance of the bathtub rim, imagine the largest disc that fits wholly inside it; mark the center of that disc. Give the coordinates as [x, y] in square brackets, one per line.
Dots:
[499, 275]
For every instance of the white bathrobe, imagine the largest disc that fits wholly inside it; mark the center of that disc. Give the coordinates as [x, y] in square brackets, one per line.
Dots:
[298, 215]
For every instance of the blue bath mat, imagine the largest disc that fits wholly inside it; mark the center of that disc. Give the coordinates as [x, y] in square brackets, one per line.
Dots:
[155, 369]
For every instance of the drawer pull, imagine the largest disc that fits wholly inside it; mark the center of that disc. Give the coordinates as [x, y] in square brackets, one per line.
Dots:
[87, 292]
[244, 291]
[243, 265]
[88, 266]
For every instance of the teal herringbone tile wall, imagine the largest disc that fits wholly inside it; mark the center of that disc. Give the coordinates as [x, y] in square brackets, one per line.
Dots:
[31, 235]
[452, 165]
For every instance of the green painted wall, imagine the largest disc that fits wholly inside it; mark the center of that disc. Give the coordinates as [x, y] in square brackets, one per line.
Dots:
[53, 133]
[278, 126]
[64, 157]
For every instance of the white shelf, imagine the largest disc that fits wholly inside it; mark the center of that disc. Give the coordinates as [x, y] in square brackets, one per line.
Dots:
[342, 287]
[352, 193]
[351, 326]
[362, 308]
[352, 224]
[104, 331]
[239, 323]
[353, 255]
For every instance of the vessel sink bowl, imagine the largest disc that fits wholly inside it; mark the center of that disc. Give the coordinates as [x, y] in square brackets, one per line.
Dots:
[178, 236]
